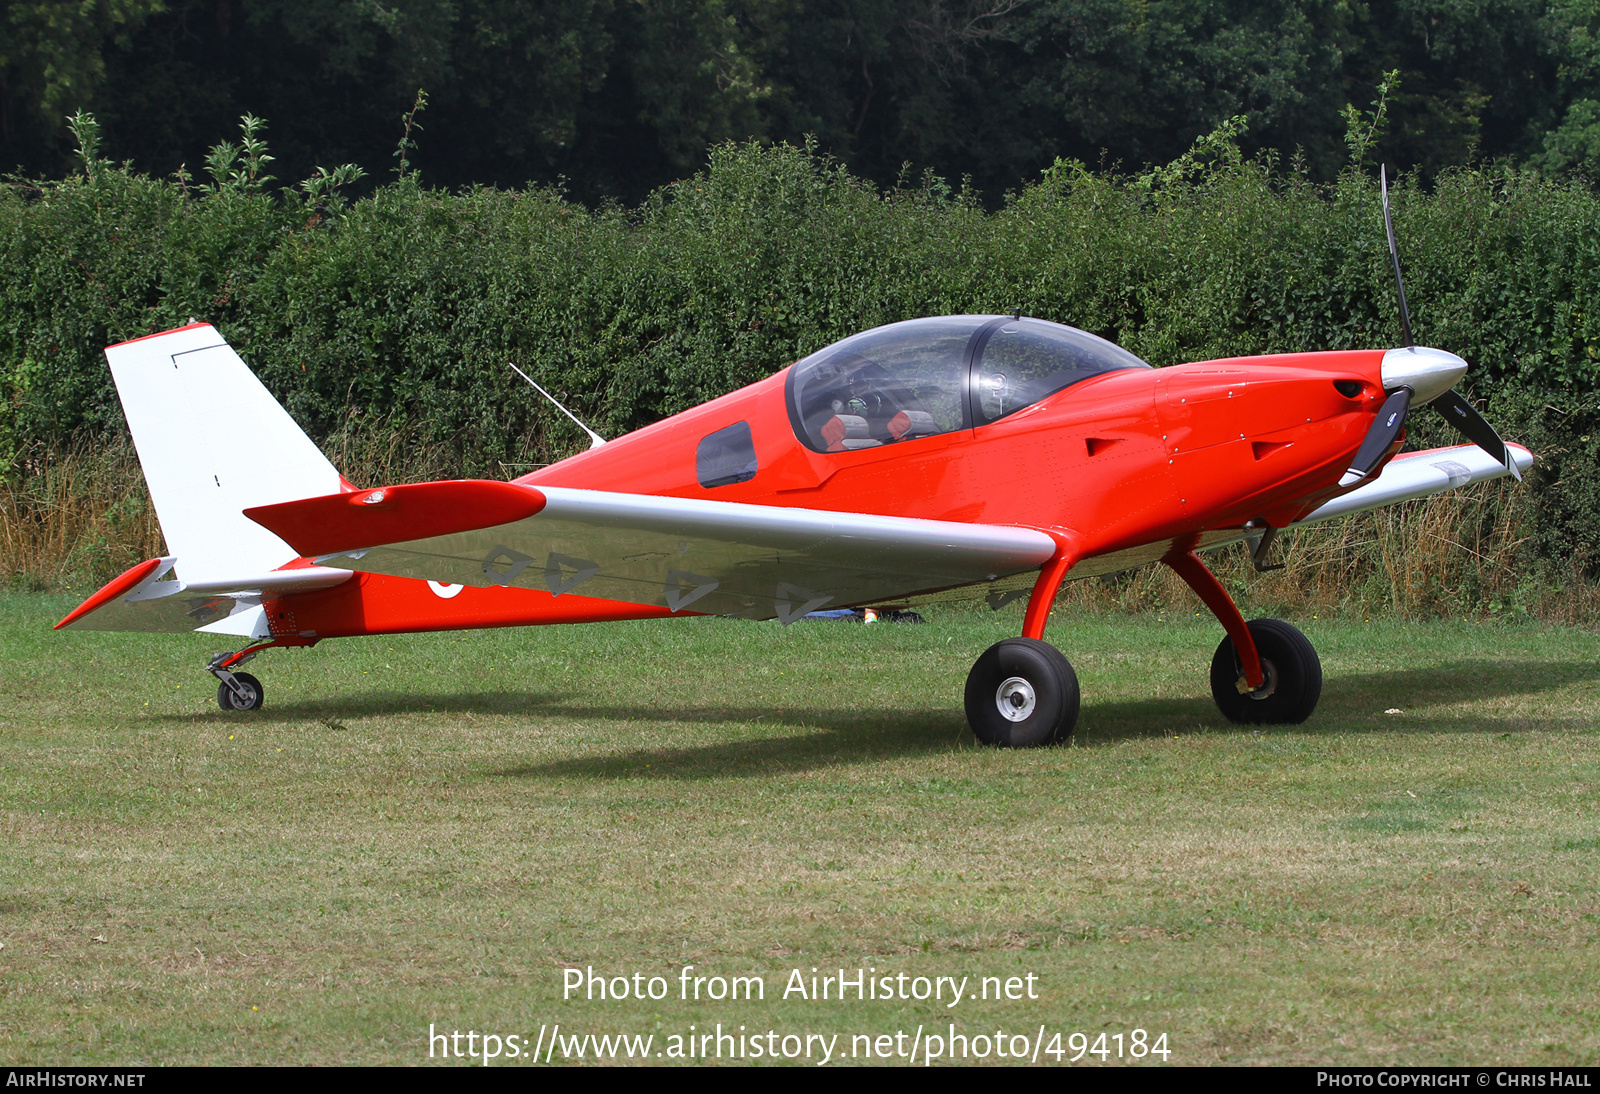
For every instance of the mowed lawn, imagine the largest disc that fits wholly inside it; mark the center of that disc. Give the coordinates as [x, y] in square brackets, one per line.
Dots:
[434, 828]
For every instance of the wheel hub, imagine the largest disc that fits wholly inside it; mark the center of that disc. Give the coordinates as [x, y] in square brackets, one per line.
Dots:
[1270, 682]
[1015, 699]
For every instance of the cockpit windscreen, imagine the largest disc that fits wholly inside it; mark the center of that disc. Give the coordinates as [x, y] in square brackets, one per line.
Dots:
[909, 380]
[885, 385]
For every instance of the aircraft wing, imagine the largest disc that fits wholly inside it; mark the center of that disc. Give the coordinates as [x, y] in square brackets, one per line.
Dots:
[1417, 474]
[709, 557]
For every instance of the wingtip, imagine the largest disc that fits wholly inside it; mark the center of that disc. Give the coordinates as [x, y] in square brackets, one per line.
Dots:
[193, 324]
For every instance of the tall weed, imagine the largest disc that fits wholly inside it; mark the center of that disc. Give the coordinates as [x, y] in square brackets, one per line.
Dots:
[73, 515]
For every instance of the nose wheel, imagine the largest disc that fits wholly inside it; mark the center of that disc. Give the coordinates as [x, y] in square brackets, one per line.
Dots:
[1022, 693]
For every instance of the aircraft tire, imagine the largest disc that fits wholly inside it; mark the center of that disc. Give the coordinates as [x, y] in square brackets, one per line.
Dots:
[1294, 677]
[231, 703]
[1022, 693]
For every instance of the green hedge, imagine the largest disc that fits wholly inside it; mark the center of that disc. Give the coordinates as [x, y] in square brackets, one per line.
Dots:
[396, 313]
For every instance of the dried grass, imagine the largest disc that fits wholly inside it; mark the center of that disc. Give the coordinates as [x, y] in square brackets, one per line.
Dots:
[81, 514]
[75, 516]
[1462, 554]
[386, 453]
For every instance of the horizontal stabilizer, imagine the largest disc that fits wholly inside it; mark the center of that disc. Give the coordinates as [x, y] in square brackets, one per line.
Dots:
[714, 557]
[347, 522]
[146, 598]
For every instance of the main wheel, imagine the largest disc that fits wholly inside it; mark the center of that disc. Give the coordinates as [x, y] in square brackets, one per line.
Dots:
[1021, 694]
[1293, 671]
[251, 700]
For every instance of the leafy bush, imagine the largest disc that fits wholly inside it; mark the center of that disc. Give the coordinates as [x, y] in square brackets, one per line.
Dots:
[385, 324]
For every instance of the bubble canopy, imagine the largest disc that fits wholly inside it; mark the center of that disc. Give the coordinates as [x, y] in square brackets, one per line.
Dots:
[923, 377]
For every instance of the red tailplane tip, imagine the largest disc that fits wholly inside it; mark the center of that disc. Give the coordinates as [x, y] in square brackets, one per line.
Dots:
[394, 514]
[120, 585]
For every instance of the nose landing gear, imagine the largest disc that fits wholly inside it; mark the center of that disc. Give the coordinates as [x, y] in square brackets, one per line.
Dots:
[1293, 677]
[1265, 672]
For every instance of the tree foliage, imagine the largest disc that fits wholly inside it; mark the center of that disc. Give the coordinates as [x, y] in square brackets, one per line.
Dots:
[394, 314]
[612, 98]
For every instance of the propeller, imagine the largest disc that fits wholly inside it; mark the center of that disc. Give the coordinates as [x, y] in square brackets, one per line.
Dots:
[1391, 419]
[1472, 425]
[1462, 416]
[1394, 256]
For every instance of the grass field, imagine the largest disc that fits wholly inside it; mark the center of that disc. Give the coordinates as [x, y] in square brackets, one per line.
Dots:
[433, 829]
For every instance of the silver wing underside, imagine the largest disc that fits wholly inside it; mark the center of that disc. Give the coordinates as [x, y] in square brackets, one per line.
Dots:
[717, 558]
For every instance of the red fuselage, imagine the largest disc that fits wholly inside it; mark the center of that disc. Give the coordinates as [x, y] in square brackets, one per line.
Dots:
[1128, 463]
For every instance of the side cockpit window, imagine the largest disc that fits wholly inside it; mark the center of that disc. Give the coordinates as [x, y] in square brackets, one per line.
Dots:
[726, 457]
[888, 385]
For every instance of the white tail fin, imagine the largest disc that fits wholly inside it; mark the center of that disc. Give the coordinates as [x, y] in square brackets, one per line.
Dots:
[213, 442]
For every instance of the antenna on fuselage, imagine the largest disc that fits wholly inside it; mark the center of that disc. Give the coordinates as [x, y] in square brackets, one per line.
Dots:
[595, 439]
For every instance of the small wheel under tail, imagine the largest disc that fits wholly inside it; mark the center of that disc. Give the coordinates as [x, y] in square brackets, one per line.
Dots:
[1292, 669]
[1022, 693]
[230, 700]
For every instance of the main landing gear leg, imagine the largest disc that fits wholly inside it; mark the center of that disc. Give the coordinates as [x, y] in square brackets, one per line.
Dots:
[238, 690]
[1265, 671]
[1022, 692]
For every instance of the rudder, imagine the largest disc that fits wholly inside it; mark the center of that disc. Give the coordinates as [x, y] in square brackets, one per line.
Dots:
[213, 442]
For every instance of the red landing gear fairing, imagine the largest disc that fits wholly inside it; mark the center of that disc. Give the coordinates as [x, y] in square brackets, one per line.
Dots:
[988, 452]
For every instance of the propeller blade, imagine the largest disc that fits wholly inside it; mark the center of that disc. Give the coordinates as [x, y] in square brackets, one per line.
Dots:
[1391, 419]
[1456, 410]
[1394, 255]
[1475, 428]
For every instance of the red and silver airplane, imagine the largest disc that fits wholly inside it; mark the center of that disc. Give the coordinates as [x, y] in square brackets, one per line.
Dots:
[974, 452]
